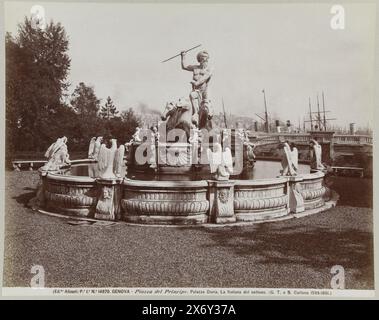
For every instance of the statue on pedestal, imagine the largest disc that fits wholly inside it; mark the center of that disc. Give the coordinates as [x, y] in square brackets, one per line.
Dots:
[57, 155]
[316, 156]
[197, 110]
[110, 160]
[294, 156]
[195, 141]
[94, 147]
[220, 162]
[249, 152]
[137, 135]
[248, 146]
[110, 163]
[202, 110]
[287, 164]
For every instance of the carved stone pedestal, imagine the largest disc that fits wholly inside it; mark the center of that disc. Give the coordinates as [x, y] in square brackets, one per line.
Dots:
[296, 201]
[221, 201]
[108, 204]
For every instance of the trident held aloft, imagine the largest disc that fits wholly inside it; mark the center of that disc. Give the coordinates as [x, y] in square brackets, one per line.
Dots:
[180, 53]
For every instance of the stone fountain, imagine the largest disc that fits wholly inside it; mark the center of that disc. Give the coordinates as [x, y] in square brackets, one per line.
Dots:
[183, 171]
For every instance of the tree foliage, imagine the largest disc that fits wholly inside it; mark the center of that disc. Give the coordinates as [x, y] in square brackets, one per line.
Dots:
[109, 110]
[37, 66]
[132, 122]
[84, 101]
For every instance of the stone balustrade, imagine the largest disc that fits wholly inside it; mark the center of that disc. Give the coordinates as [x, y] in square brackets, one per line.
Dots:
[305, 138]
[293, 137]
[352, 139]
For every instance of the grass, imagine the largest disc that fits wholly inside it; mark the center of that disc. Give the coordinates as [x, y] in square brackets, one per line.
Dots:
[297, 253]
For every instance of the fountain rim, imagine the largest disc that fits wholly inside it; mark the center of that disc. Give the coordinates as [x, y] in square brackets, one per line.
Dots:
[165, 183]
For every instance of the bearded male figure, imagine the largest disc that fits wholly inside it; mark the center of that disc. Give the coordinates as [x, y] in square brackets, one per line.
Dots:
[199, 95]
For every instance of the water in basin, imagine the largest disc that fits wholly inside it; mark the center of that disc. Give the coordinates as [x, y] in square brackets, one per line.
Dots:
[263, 169]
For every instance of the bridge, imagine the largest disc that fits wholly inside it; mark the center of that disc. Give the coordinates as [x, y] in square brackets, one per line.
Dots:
[304, 138]
[339, 150]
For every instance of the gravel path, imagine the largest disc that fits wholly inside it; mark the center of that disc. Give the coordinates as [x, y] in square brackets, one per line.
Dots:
[297, 253]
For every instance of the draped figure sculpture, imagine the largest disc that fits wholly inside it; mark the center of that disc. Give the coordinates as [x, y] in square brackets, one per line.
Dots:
[220, 162]
[248, 147]
[57, 155]
[316, 156]
[110, 160]
[137, 135]
[287, 163]
[94, 147]
[294, 156]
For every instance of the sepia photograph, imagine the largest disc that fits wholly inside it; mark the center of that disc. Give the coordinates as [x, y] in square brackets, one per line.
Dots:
[189, 149]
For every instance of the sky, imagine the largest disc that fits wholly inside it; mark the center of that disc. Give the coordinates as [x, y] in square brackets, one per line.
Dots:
[290, 50]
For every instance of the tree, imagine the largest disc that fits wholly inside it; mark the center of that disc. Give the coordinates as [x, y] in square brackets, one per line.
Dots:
[86, 106]
[37, 66]
[84, 101]
[109, 110]
[130, 123]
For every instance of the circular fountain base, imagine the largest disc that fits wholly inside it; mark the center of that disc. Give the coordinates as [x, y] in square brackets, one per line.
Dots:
[178, 202]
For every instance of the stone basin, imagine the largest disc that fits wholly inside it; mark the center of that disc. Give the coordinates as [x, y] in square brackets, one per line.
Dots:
[172, 199]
